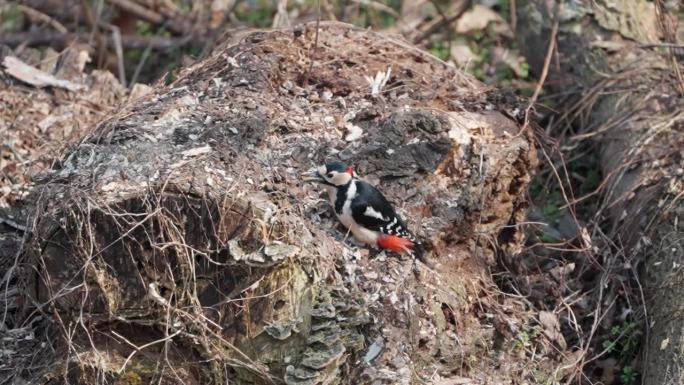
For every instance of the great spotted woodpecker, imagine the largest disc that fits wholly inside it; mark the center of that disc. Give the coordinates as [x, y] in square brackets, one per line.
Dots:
[364, 210]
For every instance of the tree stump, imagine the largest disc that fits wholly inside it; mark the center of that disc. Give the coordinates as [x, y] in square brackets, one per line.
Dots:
[177, 243]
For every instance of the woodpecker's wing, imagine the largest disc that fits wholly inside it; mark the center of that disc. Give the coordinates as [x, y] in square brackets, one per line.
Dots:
[371, 210]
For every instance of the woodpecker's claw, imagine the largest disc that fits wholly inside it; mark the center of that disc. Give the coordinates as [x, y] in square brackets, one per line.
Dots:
[312, 176]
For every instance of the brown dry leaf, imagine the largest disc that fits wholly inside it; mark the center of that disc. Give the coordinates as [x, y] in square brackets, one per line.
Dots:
[511, 58]
[414, 13]
[139, 90]
[462, 54]
[478, 18]
[48, 121]
[49, 61]
[281, 18]
[664, 343]
[608, 370]
[561, 272]
[610, 45]
[218, 11]
[549, 322]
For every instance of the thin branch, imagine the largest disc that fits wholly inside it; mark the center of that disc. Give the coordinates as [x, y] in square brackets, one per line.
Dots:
[63, 40]
[545, 72]
[173, 23]
[37, 15]
[513, 13]
[139, 348]
[662, 45]
[312, 54]
[462, 7]
[116, 37]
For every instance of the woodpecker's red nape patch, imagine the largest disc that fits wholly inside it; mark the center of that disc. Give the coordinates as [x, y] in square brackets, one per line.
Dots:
[350, 171]
[395, 243]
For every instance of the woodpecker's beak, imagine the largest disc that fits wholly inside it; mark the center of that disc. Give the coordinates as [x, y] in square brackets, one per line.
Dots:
[312, 176]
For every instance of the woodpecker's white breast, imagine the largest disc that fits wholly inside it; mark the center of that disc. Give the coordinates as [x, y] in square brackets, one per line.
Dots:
[361, 233]
[346, 216]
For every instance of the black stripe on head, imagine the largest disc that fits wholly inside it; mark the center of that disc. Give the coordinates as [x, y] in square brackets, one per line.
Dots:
[336, 166]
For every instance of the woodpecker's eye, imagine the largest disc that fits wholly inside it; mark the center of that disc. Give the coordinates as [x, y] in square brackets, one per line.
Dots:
[330, 175]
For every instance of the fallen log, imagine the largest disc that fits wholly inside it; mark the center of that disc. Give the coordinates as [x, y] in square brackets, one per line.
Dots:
[626, 96]
[176, 242]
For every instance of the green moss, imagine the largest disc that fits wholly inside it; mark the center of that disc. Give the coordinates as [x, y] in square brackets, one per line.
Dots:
[629, 375]
[11, 20]
[137, 373]
[440, 48]
[525, 70]
[143, 28]
[591, 181]
[131, 378]
[504, 9]
[257, 13]
[547, 198]
[548, 238]
[527, 92]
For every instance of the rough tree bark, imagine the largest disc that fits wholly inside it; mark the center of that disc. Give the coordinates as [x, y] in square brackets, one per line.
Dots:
[176, 242]
[631, 104]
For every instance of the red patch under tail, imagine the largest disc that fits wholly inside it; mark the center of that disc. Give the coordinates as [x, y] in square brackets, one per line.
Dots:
[395, 243]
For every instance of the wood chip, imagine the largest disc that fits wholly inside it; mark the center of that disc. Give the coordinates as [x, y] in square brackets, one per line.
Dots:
[354, 132]
[197, 151]
[35, 77]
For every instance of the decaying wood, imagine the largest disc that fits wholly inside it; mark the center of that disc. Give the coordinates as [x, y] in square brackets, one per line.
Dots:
[632, 108]
[35, 77]
[176, 242]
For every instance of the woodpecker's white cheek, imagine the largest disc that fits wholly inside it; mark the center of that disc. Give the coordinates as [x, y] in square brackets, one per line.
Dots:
[341, 178]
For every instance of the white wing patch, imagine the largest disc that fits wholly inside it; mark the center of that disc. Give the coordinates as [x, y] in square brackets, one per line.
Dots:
[371, 212]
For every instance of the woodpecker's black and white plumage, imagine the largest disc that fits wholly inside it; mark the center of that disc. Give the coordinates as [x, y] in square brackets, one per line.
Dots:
[364, 210]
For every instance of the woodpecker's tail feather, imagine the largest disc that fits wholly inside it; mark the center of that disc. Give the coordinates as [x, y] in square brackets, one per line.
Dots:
[396, 244]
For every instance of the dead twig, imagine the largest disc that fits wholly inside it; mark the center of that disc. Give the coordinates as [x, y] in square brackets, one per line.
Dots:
[542, 78]
[312, 52]
[663, 45]
[174, 24]
[378, 6]
[669, 30]
[281, 18]
[63, 40]
[37, 15]
[116, 37]
[461, 8]
[136, 348]
[513, 13]
[215, 32]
